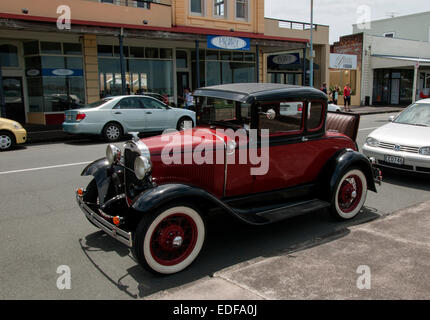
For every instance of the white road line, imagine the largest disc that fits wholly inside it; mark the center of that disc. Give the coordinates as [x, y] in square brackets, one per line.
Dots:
[364, 129]
[43, 168]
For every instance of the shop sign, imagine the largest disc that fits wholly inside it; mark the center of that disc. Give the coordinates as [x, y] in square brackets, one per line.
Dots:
[288, 58]
[229, 43]
[32, 72]
[62, 72]
[343, 61]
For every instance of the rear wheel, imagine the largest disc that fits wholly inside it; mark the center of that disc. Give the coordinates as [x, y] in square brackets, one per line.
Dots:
[7, 141]
[112, 132]
[181, 123]
[350, 194]
[170, 239]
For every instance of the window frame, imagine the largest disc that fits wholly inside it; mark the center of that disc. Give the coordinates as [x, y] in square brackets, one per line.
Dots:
[225, 4]
[201, 14]
[387, 34]
[280, 135]
[323, 115]
[247, 11]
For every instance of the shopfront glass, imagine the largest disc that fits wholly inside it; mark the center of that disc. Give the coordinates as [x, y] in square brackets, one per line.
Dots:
[54, 73]
[392, 86]
[223, 67]
[146, 70]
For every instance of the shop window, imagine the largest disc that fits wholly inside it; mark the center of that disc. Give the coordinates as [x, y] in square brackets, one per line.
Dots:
[212, 55]
[9, 55]
[166, 53]
[50, 48]
[197, 7]
[103, 50]
[151, 53]
[116, 51]
[181, 59]
[220, 8]
[137, 52]
[225, 55]
[72, 48]
[237, 56]
[249, 56]
[242, 9]
[31, 47]
[341, 78]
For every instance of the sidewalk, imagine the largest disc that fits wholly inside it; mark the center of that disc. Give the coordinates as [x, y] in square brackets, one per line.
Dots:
[54, 133]
[395, 248]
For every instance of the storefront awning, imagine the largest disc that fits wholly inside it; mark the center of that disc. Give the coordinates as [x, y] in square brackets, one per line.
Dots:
[422, 61]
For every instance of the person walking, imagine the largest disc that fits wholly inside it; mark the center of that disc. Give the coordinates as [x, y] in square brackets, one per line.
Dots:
[335, 94]
[347, 97]
[324, 88]
[189, 99]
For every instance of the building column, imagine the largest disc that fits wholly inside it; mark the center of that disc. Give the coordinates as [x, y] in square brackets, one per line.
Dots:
[91, 68]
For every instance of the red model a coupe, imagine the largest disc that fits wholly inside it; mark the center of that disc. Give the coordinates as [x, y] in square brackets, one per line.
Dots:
[254, 154]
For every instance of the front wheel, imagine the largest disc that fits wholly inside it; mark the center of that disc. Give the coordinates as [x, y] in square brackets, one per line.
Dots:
[7, 140]
[169, 240]
[112, 132]
[350, 195]
[182, 123]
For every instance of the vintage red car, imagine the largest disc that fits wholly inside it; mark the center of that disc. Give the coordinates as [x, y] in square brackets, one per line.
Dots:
[261, 152]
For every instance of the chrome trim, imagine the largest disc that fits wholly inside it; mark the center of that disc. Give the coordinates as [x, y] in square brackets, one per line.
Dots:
[139, 147]
[112, 230]
[114, 199]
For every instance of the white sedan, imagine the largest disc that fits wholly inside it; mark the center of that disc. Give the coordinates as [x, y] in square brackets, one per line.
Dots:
[404, 143]
[114, 116]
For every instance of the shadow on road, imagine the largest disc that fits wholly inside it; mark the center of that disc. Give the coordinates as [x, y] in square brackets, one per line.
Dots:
[413, 180]
[228, 243]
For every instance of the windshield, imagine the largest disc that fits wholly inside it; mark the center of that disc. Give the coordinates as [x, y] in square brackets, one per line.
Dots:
[417, 114]
[97, 103]
[215, 110]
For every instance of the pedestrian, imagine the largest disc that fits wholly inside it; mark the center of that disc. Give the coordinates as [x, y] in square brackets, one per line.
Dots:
[347, 97]
[335, 94]
[189, 99]
[324, 88]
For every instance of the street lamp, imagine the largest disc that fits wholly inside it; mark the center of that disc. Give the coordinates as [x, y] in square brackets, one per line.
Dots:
[311, 69]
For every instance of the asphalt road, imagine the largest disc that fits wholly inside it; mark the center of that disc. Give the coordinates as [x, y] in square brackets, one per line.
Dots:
[42, 228]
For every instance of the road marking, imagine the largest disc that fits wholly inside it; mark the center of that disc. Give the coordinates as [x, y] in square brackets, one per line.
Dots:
[44, 168]
[364, 129]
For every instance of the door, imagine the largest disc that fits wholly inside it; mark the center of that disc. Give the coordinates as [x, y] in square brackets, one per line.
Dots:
[131, 113]
[13, 93]
[158, 116]
[183, 82]
[395, 91]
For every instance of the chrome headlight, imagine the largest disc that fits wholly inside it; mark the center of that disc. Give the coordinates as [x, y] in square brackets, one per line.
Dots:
[142, 166]
[372, 142]
[425, 151]
[113, 154]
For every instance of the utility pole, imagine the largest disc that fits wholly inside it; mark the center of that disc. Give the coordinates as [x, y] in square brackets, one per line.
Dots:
[2, 98]
[311, 67]
[121, 61]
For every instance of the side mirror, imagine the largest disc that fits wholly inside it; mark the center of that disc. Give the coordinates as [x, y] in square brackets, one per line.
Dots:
[391, 118]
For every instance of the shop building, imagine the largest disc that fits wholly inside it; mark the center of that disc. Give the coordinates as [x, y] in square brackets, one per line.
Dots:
[123, 46]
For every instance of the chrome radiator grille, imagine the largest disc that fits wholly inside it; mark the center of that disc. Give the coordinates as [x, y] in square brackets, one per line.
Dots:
[391, 146]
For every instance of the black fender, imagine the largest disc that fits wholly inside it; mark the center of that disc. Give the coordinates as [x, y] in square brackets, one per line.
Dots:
[336, 167]
[99, 169]
[156, 197]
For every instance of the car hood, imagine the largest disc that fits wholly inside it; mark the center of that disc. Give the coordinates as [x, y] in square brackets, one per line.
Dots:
[403, 134]
[8, 121]
[187, 139]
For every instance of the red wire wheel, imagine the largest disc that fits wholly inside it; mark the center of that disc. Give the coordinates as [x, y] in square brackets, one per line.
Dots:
[173, 239]
[350, 195]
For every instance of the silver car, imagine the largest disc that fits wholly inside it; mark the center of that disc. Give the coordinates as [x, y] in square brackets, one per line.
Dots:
[114, 116]
[405, 142]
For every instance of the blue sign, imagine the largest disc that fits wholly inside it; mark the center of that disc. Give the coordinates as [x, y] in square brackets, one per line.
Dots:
[229, 43]
[58, 72]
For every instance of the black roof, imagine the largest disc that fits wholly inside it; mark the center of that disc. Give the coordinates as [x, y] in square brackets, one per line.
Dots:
[251, 92]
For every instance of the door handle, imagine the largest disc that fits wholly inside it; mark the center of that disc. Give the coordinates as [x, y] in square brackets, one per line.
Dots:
[304, 139]
[148, 112]
[118, 112]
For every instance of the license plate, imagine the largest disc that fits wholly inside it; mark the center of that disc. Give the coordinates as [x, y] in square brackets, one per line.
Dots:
[394, 159]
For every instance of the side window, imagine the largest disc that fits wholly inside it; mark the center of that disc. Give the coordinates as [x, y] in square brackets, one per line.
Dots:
[128, 103]
[152, 104]
[315, 115]
[284, 117]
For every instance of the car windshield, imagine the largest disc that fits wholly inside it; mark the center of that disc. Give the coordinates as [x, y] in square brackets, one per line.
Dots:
[227, 112]
[97, 103]
[417, 114]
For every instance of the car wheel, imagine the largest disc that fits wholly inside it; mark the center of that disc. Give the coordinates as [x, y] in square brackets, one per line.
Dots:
[170, 239]
[350, 194]
[7, 141]
[181, 123]
[112, 132]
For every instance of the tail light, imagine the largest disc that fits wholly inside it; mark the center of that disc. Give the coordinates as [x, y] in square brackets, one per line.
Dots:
[300, 108]
[80, 116]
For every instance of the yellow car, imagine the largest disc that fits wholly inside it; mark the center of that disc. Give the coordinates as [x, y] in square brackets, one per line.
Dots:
[11, 133]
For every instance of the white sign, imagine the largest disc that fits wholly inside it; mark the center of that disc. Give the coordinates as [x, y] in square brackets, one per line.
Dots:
[230, 43]
[343, 61]
[285, 59]
[63, 72]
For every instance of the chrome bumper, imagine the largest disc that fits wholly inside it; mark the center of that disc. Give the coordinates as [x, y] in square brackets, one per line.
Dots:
[112, 230]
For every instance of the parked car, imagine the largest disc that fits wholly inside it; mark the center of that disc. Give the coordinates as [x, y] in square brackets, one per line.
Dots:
[159, 97]
[112, 117]
[404, 143]
[11, 133]
[158, 209]
[334, 107]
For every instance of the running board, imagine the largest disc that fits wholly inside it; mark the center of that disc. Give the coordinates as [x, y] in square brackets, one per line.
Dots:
[276, 214]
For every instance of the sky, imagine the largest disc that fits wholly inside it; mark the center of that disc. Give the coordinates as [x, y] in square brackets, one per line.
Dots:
[340, 15]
